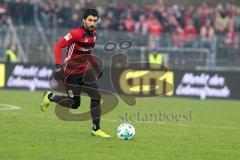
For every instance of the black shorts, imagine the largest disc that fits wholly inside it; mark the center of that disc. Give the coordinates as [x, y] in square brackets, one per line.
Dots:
[85, 82]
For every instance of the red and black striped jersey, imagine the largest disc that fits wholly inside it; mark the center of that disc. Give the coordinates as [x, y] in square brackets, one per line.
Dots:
[80, 43]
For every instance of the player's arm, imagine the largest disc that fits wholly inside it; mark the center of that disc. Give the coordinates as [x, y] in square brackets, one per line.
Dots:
[93, 63]
[97, 65]
[59, 46]
[63, 43]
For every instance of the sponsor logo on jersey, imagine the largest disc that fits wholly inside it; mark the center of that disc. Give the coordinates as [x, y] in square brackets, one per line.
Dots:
[85, 49]
[68, 37]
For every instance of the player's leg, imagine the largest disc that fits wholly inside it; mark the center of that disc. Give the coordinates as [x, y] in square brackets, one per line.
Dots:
[95, 109]
[96, 115]
[64, 101]
[92, 89]
[71, 101]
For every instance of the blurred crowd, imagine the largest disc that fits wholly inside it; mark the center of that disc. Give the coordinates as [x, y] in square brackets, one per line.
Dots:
[155, 18]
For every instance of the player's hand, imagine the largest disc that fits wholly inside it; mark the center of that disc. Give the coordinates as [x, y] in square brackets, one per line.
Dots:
[58, 72]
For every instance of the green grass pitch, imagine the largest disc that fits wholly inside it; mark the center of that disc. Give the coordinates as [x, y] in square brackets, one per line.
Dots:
[213, 132]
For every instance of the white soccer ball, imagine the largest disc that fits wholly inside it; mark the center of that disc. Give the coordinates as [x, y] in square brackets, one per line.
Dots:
[126, 131]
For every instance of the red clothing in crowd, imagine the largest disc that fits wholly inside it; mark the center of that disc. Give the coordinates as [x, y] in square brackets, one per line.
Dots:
[190, 33]
[154, 28]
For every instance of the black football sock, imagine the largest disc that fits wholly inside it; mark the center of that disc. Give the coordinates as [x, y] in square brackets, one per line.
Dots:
[96, 125]
[61, 100]
[96, 113]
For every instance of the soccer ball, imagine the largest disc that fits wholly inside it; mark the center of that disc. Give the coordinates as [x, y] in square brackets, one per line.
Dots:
[126, 131]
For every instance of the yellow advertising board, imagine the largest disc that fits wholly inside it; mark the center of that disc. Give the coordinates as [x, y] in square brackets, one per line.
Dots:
[2, 75]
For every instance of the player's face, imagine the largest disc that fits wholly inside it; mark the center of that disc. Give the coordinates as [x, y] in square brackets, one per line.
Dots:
[90, 22]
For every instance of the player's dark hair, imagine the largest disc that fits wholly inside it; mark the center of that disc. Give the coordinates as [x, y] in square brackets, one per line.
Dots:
[92, 12]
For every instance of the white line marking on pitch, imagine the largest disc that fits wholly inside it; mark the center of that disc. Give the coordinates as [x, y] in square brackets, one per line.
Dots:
[5, 107]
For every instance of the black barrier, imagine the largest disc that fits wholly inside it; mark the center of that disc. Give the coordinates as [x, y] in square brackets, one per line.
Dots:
[199, 84]
[27, 76]
[207, 84]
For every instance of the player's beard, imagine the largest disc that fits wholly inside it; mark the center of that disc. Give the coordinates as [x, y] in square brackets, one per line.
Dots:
[91, 28]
